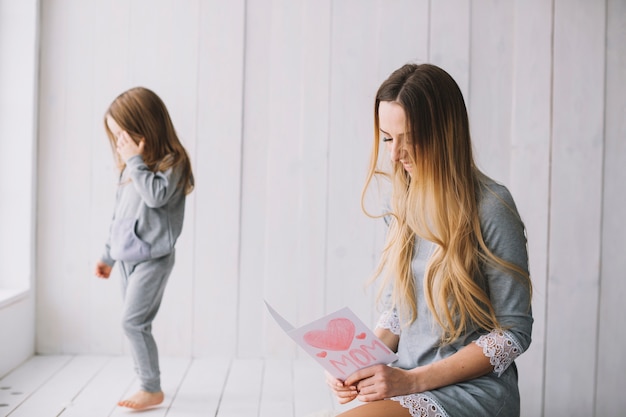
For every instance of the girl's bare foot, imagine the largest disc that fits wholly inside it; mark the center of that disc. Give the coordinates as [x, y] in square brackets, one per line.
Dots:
[142, 400]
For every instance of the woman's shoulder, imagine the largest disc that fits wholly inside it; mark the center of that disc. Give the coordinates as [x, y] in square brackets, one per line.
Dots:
[494, 196]
[501, 225]
[496, 205]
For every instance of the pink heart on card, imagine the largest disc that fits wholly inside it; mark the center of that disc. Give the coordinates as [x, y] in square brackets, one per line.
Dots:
[361, 336]
[322, 354]
[337, 336]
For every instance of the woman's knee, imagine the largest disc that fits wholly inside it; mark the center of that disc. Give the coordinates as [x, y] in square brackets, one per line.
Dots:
[384, 408]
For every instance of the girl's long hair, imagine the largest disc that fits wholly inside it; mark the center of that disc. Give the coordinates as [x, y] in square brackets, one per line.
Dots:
[141, 113]
[439, 202]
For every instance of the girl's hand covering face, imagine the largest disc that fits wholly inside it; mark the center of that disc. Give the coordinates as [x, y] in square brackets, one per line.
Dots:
[126, 146]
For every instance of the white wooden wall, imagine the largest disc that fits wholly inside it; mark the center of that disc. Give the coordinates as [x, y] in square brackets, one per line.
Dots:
[273, 100]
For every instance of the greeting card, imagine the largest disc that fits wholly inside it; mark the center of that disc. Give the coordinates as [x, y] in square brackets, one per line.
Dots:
[340, 342]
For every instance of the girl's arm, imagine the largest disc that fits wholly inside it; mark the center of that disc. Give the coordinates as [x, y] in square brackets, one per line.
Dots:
[102, 270]
[155, 188]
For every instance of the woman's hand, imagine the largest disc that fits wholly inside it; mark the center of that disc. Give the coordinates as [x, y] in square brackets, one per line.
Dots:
[381, 381]
[126, 146]
[344, 393]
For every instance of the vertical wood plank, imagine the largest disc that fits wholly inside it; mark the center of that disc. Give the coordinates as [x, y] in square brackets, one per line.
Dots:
[402, 35]
[575, 219]
[530, 164]
[490, 87]
[218, 173]
[610, 376]
[254, 175]
[51, 262]
[450, 40]
[74, 186]
[283, 170]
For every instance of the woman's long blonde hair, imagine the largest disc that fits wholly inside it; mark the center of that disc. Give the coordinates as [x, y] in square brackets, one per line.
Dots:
[439, 203]
[141, 113]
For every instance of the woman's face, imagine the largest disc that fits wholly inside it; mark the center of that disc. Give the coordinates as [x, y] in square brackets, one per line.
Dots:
[392, 122]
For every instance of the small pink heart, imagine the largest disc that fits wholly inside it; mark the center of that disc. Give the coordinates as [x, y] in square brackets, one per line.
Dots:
[361, 336]
[322, 354]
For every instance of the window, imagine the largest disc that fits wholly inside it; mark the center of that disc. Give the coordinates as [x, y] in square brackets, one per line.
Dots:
[18, 82]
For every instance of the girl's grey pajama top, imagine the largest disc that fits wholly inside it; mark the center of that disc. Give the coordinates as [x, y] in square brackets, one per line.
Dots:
[495, 394]
[148, 217]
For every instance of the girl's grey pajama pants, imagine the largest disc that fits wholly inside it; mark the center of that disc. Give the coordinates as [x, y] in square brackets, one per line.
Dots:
[143, 285]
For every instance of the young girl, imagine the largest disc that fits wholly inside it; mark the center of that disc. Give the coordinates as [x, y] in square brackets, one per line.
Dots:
[455, 284]
[155, 177]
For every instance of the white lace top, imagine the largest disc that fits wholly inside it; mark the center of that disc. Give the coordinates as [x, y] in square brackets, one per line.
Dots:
[420, 343]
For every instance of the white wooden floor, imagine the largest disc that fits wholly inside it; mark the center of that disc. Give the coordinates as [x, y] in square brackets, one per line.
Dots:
[90, 386]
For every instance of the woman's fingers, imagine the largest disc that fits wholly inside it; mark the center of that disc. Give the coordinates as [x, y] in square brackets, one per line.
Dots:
[344, 393]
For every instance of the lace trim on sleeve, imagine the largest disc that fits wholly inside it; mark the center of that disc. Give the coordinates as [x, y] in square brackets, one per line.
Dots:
[389, 320]
[501, 347]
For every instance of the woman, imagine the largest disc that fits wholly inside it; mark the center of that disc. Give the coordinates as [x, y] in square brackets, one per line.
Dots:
[455, 288]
